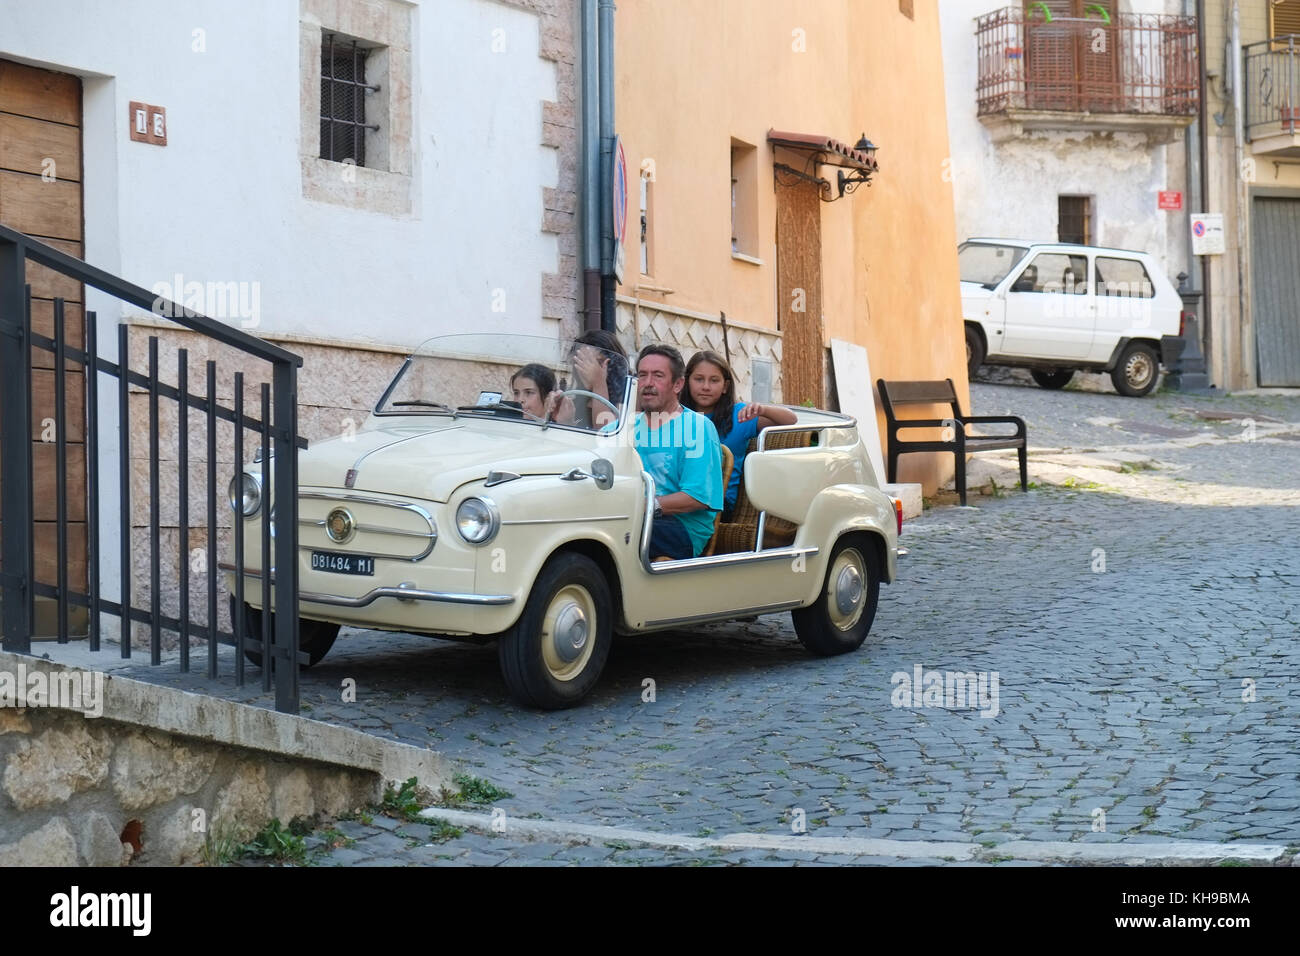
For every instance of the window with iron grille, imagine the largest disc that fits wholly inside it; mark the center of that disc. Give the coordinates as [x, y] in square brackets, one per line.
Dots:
[1074, 220]
[343, 90]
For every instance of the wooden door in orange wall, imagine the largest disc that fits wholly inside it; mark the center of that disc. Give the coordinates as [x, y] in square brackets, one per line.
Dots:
[799, 292]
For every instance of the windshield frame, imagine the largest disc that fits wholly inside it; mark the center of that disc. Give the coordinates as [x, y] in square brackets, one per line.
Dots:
[564, 347]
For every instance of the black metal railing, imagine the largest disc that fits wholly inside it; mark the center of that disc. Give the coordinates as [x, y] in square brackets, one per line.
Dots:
[21, 581]
[1271, 85]
[1128, 63]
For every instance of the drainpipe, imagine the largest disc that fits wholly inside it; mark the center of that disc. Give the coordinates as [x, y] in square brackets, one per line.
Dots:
[607, 283]
[590, 169]
[1203, 137]
[1239, 133]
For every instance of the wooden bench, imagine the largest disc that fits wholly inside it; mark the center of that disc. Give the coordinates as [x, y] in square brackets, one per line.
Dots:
[896, 394]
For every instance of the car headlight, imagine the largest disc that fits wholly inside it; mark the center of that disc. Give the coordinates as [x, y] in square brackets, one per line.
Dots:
[245, 494]
[478, 520]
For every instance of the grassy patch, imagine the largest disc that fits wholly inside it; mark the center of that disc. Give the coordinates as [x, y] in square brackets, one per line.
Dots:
[440, 831]
[404, 803]
[477, 790]
[278, 843]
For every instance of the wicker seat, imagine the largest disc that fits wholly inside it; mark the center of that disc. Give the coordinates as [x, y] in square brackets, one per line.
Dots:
[740, 532]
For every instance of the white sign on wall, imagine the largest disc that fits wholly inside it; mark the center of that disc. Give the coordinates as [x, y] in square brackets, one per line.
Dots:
[1207, 234]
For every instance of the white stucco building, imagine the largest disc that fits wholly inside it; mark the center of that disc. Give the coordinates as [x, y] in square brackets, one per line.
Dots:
[345, 178]
[1067, 120]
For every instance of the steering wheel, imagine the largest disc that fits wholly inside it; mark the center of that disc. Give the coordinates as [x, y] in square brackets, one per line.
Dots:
[582, 391]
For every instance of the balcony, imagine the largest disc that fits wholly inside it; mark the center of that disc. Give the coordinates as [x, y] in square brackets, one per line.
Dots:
[1271, 86]
[1132, 72]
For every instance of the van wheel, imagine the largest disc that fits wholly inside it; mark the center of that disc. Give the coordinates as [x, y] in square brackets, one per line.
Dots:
[839, 620]
[1052, 378]
[1137, 371]
[315, 638]
[554, 654]
[974, 351]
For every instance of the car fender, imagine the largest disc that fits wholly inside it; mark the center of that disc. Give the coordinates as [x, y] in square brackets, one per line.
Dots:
[1123, 343]
[844, 509]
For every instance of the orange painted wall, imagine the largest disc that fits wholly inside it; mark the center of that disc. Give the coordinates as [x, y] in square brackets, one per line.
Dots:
[691, 76]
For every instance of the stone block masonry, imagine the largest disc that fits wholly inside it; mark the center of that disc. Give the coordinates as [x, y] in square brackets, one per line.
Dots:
[165, 771]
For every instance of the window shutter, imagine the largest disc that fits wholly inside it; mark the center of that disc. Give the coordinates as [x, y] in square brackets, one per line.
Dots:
[1285, 18]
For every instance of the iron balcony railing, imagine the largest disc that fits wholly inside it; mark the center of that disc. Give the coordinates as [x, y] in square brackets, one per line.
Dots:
[1272, 86]
[53, 545]
[1130, 63]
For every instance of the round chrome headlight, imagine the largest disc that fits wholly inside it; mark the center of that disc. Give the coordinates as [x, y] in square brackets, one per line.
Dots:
[245, 494]
[477, 520]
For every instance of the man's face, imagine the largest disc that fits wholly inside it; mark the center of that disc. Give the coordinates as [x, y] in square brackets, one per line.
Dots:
[656, 389]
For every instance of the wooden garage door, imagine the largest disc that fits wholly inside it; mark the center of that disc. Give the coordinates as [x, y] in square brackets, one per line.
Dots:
[40, 194]
[799, 293]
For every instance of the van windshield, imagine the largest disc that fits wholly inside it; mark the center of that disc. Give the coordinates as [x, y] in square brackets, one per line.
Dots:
[986, 263]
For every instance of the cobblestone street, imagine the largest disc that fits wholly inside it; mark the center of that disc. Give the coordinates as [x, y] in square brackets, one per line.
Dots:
[1134, 613]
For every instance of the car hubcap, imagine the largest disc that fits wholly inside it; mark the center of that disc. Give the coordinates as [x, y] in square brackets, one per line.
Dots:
[847, 589]
[1139, 370]
[567, 632]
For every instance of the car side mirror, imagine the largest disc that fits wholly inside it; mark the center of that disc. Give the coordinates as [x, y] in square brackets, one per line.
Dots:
[602, 469]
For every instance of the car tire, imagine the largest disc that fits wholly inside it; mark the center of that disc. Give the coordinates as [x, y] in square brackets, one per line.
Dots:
[1138, 370]
[840, 619]
[554, 654]
[1052, 378]
[974, 351]
[315, 638]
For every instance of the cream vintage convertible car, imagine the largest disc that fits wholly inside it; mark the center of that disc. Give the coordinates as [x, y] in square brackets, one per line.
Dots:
[459, 512]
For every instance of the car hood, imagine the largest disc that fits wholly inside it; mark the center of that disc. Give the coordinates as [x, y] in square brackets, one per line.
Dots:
[430, 461]
[973, 290]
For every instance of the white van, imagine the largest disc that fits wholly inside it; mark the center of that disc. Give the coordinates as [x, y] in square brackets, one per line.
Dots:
[1055, 308]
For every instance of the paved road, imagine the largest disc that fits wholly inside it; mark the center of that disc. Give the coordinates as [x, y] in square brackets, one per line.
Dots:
[1140, 626]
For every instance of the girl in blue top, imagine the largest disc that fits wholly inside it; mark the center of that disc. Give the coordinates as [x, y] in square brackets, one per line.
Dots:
[711, 391]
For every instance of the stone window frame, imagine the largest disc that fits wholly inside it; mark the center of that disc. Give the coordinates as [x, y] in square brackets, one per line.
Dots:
[386, 183]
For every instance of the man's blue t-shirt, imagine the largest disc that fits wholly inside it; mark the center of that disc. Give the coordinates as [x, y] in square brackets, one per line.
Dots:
[738, 441]
[684, 455]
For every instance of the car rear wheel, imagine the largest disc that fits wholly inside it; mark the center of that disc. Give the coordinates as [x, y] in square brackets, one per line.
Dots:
[839, 620]
[315, 638]
[1052, 378]
[554, 654]
[1137, 371]
[974, 351]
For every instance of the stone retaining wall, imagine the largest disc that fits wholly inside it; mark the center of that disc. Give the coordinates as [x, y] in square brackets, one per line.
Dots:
[71, 786]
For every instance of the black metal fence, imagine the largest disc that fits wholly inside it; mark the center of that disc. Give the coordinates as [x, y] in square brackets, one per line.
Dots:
[1271, 86]
[40, 559]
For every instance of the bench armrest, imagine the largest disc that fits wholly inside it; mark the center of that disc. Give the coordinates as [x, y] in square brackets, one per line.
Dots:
[997, 420]
[921, 423]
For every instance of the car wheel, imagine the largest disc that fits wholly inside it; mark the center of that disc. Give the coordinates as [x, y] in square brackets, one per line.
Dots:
[838, 621]
[315, 638]
[974, 351]
[554, 654]
[1137, 371]
[1052, 378]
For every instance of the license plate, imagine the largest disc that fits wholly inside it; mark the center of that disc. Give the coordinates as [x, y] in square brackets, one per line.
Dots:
[342, 563]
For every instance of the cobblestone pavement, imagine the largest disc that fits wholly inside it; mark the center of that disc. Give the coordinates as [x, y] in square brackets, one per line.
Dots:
[1141, 624]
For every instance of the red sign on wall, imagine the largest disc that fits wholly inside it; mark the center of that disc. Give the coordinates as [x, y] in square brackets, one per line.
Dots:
[1171, 201]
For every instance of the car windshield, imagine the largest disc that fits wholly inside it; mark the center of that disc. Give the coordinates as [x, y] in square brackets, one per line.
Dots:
[986, 263]
[533, 380]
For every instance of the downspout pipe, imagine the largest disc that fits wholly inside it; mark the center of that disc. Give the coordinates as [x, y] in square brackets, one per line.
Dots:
[591, 233]
[1203, 137]
[606, 56]
[1247, 371]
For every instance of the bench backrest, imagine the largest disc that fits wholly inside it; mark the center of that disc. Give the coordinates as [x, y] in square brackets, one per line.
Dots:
[893, 394]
